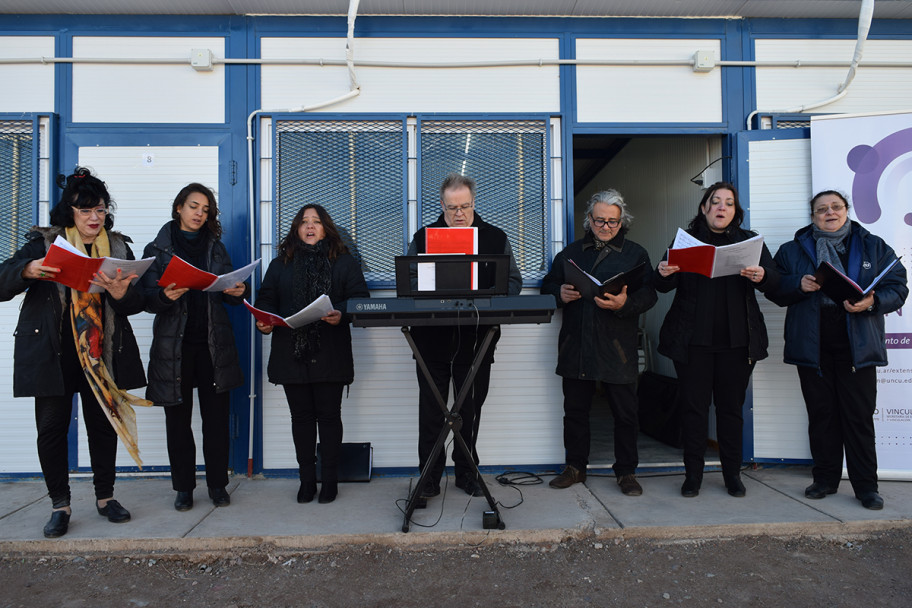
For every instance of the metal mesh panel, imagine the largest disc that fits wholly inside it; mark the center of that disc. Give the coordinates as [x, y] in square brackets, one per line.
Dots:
[356, 170]
[508, 161]
[17, 148]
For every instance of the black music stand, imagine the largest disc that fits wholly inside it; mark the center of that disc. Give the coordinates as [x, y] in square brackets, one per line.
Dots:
[406, 286]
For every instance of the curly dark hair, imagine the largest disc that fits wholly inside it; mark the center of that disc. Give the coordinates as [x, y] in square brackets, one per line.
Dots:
[334, 245]
[83, 191]
[212, 222]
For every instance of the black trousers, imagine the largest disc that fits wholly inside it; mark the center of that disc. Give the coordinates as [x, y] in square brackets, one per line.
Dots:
[196, 369]
[577, 405]
[717, 377]
[52, 419]
[316, 406]
[431, 419]
[840, 405]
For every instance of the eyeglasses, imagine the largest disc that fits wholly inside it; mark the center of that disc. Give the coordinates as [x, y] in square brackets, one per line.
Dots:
[458, 208]
[836, 207]
[600, 223]
[99, 211]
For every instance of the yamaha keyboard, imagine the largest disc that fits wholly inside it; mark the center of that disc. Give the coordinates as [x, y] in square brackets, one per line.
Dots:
[488, 310]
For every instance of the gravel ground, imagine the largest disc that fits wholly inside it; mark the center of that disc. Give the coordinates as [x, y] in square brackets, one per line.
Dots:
[871, 570]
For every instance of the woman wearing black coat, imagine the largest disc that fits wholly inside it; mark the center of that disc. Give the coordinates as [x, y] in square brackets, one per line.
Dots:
[193, 344]
[715, 333]
[312, 363]
[70, 341]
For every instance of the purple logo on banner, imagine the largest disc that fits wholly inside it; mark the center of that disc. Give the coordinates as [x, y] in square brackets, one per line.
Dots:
[869, 164]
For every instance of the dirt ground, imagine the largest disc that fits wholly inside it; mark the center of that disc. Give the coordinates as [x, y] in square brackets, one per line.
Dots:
[872, 570]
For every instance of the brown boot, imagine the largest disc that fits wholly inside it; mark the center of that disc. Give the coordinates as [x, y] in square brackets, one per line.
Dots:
[629, 485]
[569, 476]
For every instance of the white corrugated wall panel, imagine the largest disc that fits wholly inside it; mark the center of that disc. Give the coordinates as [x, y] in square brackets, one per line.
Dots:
[28, 87]
[780, 183]
[521, 419]
[873, 90]
[646, 94]
[17, 433]
[147, 93]
[501, 89]
[143, 181]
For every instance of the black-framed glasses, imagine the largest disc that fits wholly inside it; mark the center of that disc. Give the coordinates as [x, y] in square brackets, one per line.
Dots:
[599, 222]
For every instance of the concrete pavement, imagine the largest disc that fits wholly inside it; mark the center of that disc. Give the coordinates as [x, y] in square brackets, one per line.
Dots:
[264, 512]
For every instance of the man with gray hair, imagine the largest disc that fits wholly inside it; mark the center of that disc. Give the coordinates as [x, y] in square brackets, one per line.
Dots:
[598, 338]
[448, 350]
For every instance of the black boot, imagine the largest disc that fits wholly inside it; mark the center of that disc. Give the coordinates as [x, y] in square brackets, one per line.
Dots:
[328, 491]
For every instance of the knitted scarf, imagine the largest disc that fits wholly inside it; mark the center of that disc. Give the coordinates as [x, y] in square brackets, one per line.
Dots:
[312, 277]
[829, 245]
[88, 333]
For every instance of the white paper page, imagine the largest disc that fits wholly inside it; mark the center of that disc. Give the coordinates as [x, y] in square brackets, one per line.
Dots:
[730, 259]
[314, 311]
[427, 276]
[683, 240]
[227, 281]
[127, 267]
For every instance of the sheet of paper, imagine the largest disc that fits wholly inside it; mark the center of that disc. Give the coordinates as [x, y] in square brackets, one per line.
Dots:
[229, 280]
[730, 259]
[314, 311]
[427, 276]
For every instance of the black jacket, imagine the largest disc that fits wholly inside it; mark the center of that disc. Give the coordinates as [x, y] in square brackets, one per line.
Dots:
[37, 370]
[597, 344]
[677, 330]
[446, 343]
[333, 362]
[171, 319]
[868, 256]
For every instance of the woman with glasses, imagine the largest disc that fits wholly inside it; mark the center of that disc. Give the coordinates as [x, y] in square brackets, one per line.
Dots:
[313, 363]
[193, 344]
[837, 346]
[69, 341]
[714, 333]
[598, 338]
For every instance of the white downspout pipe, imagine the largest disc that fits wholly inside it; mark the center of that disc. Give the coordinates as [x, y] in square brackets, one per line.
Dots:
[865, 16]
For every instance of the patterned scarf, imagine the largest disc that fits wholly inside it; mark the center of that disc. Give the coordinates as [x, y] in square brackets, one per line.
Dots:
[312, 278]
[88, 332]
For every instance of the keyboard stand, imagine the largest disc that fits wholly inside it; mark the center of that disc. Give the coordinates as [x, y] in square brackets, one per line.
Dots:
[452, 424]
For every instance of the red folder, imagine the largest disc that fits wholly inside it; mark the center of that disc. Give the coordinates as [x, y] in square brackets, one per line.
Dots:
[455, 240]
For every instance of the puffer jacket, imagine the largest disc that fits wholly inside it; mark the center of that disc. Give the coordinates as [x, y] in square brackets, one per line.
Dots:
[171, 319]
[333, 362]
[597, 344]
[37, 370]
[868, 256]
[677, 329]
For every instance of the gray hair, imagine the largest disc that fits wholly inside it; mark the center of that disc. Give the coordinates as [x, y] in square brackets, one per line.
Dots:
[608, 197]
[455, 181]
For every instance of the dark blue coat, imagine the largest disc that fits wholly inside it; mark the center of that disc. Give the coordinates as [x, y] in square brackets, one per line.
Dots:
[868, 256]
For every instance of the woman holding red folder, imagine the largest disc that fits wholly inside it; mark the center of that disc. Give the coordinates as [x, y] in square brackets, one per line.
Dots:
[193, 344]
[837, 346]
[70, 341]
[313, 363]
[714, 333]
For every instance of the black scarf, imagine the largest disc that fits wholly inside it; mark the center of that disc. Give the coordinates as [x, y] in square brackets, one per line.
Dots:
[194, 249]
[312, 278]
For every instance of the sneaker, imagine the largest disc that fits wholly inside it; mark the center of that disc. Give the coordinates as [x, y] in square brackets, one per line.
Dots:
[569, 476]
[629, 485]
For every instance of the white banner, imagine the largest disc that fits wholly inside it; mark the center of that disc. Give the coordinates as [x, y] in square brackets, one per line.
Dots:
[869, 157]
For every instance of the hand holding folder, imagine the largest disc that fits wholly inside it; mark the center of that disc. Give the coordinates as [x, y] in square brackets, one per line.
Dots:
[77, 270]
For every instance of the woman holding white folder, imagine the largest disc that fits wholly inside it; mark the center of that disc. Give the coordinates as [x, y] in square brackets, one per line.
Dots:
[313, 363]
[70, 341]
[837, 346]
[715, 333]
[193, 344]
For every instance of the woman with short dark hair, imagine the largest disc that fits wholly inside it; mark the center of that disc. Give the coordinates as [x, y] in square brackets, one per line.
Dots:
[837, 346]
